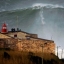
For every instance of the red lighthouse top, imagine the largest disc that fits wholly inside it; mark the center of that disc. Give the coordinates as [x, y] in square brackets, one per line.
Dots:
[4, 28]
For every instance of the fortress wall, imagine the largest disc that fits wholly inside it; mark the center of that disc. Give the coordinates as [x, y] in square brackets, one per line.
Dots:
[29, 45]
[3, 36]
[35, 46]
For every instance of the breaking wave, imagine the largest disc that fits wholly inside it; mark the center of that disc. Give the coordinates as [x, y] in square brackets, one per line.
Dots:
[36, 6]
[40, 5]
[36, 13]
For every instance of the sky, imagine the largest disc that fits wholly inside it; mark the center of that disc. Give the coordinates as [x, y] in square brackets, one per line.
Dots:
[57, 28]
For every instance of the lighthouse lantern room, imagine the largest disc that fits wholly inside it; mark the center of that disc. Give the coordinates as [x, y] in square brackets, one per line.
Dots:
[4, 28]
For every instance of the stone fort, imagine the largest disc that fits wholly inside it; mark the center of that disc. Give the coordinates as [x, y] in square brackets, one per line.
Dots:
[16, 39]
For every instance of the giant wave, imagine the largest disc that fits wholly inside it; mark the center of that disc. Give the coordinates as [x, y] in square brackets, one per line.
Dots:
[36, 19]
[36, 6]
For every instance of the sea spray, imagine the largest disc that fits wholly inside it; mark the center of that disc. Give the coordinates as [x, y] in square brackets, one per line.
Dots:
[40, 5]
[41, 16]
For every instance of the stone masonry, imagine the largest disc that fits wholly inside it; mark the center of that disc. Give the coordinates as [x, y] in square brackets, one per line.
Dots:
[36, 46]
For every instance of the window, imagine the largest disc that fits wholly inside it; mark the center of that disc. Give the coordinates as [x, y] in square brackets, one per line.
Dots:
[28, 38]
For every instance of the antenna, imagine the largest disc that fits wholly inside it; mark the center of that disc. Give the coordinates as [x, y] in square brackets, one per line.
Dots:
[17, 24]
[57, 50]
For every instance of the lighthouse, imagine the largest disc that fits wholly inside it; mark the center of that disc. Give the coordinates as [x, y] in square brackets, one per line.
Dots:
[4, 28]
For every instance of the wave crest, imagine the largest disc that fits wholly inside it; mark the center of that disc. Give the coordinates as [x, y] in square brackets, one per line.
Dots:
[35, 6]
[40, 5]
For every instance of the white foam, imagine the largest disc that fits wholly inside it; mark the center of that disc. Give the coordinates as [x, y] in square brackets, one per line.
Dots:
[40, 5]
[41, 16]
